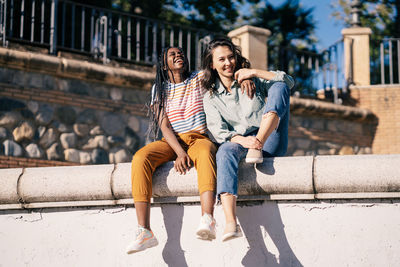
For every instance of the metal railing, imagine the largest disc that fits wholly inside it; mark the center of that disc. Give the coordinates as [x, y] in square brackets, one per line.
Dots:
[315, 73]
[62, 25]
[385, 61]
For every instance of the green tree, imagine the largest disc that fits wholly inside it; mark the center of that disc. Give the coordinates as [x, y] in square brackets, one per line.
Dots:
[292, 36]
[382, 16]
[289, 23]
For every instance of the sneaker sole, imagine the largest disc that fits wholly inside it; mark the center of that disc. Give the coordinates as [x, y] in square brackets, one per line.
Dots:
[254, 160]
[149, 244]
[230, 236]
[205, 235]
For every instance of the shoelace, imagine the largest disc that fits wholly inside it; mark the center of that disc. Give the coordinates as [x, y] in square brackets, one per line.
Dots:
[140, 230]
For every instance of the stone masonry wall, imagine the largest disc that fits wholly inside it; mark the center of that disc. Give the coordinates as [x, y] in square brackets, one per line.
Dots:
[45, 117]
[312, 135]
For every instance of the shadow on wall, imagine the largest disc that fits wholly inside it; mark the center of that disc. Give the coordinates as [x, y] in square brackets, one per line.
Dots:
[259, 222]
[173, 253]
[263, 220]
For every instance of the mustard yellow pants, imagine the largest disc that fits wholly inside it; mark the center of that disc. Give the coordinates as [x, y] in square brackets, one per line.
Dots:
[200, 150]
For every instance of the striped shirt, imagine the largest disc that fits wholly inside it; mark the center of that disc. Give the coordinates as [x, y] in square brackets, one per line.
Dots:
[184, 107]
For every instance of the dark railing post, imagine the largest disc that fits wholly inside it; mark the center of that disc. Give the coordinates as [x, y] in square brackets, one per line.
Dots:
[129, 39]
[108, 41]
[188, 47]
[73, 7]
[104, 44]
[137, 40]
[53, 27]
[42, 22]
[154, 53]
[83, 29]
[119, 36]
[33, 20]
[22, 12]
[63, 28]
[3, 21]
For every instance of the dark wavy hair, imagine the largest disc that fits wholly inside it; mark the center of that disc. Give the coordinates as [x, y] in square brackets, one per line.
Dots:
[158, 97]
[211, 75]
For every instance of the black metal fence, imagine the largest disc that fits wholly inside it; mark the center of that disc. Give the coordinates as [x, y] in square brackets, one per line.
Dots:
[315, 72]
[62, 25]
[385, 61]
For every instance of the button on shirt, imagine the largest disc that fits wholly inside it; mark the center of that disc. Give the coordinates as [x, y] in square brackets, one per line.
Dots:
[234, 113]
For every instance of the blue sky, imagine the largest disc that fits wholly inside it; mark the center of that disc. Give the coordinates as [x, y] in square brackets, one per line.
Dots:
[327, 28]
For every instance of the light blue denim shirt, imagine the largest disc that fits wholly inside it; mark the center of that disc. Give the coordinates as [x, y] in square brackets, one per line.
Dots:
[230, 114]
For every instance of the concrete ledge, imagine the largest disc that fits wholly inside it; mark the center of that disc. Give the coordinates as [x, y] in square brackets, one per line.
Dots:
[286, 178]
[350, 174]
[71, 68]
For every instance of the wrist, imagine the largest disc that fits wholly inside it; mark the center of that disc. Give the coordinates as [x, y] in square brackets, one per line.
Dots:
[255, 73]
[235, 138]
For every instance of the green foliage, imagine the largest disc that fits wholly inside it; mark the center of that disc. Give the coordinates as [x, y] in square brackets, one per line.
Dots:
[382, 16]
[289, 23]
[292, 35]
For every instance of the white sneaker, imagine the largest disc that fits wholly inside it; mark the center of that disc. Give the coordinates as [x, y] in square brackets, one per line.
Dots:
[206, 229]
[144, 239]
[254, 156]
[232, 230]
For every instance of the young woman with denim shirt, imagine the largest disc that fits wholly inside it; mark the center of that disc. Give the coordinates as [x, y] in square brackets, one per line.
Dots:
[244, 127]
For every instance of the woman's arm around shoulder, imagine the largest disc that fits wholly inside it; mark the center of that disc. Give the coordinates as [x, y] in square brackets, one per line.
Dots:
[242, 74]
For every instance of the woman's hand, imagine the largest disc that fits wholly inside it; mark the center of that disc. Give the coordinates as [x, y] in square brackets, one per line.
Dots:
[244, 74]
[248, 86]
[182, 163]
[247, 141]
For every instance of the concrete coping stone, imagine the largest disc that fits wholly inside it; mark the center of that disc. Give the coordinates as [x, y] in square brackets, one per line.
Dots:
[249, 29]
[284, 178]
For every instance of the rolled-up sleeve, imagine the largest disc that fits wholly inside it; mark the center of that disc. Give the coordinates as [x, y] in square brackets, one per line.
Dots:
[215, 123]
[281, 76]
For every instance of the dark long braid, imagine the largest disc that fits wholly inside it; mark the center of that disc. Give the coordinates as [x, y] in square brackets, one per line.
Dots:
[158, 99]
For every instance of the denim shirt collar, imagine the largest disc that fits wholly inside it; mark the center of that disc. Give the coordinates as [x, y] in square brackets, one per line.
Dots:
[219, 87]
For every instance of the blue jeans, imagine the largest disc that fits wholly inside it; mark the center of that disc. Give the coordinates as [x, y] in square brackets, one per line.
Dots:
[229, 154]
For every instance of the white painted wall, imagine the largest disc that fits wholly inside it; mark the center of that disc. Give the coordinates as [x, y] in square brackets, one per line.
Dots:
[302, 233]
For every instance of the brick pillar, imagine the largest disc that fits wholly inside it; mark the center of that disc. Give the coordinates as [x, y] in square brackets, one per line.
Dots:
[358, 39]
[253, 42]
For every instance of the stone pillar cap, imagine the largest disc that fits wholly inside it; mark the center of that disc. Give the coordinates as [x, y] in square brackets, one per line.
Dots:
[250, 29]
[356, 31]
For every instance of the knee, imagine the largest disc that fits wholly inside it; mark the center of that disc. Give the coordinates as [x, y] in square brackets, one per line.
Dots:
[226, 153]
[139, 158]
[206, 149]
[279, 88]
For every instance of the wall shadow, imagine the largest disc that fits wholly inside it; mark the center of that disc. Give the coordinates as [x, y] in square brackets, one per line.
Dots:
[267, 216]
[173, 253]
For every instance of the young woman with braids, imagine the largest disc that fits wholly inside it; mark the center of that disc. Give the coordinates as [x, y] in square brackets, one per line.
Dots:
[245, 128]
[177, 110]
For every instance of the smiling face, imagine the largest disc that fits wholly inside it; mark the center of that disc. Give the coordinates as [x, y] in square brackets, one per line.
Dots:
[175, 59]
[223, 61]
